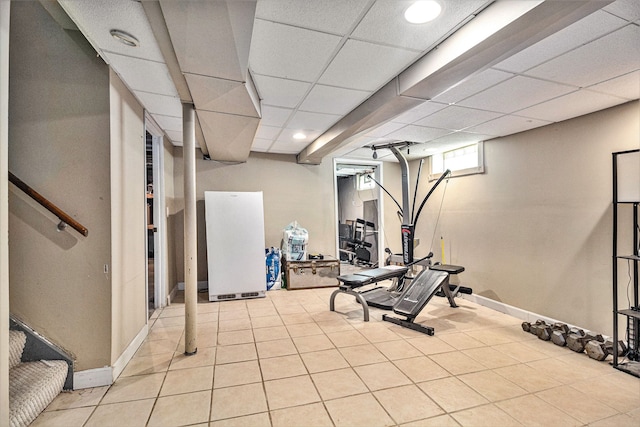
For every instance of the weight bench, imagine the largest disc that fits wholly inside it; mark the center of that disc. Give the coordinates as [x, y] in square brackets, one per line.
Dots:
[349, 282]
[420, 291]
[413, 299]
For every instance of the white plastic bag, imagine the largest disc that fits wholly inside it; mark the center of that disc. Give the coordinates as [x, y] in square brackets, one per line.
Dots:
[294, 242]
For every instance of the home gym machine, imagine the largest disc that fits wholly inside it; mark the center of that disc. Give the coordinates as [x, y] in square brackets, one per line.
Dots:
[409, 294]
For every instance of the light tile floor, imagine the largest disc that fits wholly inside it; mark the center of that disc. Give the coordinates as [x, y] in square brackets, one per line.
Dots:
[286, 360]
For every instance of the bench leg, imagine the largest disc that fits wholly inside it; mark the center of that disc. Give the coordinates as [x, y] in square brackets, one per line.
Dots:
[363, 303]
[361, 300]
[447, 292]
[332, 300]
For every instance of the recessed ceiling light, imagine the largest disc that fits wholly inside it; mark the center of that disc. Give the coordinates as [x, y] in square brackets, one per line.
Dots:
[422, 11]
[299, 136]
[125, 38]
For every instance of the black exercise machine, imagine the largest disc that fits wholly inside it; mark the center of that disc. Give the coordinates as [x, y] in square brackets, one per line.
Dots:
[354, 247]
[410, 294]
[416, 294]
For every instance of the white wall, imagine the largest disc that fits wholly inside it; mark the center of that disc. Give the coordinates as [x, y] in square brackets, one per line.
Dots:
[535, 230]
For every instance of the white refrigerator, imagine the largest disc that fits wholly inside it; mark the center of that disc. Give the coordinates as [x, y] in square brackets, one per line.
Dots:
[235, 245]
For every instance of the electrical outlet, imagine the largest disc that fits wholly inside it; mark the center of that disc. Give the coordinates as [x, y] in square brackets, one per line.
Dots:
[106, 269]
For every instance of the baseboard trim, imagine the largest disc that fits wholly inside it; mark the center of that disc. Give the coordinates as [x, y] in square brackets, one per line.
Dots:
[518, 313]
[172, 295]
[92, 378]
[107, 375]
[128, 353]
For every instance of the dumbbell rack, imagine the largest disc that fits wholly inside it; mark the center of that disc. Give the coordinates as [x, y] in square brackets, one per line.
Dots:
[625, 194]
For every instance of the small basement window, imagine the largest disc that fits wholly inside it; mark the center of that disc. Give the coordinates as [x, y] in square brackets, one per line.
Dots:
[365, 182]
[461, 161]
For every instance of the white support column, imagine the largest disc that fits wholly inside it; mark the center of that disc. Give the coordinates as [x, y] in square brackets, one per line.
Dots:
[190, 230]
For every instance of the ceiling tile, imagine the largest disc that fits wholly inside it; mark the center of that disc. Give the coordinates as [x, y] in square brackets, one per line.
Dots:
[261, 145]
[225, 96]
[280, 92]
[414, 133]
[473, 85]
[175, 136]
[364, 154]
[312, 121]
[627, 9]
[268, 133]
[385, 23]
[571, 105]
[417, 113]
[366, 66]
[587, 29]
[515, 94]
[610, 56]
[160, 104]
[457, 118]
[279, 50]
[384, 129]
[422, 150]
[143, 75]
[627, 86]
[275, 116]
[507, 125]
[282, 147]
[168, 122]
[360, 141]
[333, 100]
[95, 19]
[458, 139]
[287, 136]
[330, 16]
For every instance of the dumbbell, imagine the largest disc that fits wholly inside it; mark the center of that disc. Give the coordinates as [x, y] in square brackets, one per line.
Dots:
[544, 332]
[600, 350]
[532, 328]
[559, 334]
[577, 340]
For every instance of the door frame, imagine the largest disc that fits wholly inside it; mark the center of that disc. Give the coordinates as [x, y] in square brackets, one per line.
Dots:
[380, 221]
[159, 216]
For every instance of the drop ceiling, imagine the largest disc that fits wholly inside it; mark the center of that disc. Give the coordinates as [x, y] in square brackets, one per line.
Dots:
[259, 72]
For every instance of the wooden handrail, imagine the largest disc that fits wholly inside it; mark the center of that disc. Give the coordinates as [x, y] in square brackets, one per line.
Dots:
[64, 217]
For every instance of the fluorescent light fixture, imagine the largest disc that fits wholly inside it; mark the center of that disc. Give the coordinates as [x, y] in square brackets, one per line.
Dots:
[422, 11]
[124, 38]
[299, 136]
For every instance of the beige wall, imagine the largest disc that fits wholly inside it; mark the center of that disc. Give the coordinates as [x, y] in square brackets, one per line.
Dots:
[291, 192]
[5, 8]
[128, 226]
[392, 181]
[534, 231]
[170, 227]
[59, 145]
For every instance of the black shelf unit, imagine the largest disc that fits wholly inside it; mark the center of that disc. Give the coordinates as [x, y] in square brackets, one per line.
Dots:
[631, 363]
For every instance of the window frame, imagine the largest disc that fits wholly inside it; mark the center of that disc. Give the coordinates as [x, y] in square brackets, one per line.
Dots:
[479, 169]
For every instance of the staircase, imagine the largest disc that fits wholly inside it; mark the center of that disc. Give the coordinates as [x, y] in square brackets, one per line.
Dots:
[32, 385]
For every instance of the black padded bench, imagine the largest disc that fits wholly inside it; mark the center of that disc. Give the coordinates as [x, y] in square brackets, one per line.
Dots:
[420, 291]
[349, 282]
